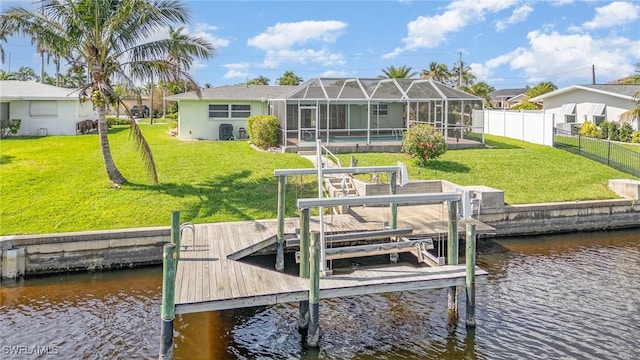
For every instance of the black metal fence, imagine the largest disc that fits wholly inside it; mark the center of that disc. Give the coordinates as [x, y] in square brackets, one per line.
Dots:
[607, 152]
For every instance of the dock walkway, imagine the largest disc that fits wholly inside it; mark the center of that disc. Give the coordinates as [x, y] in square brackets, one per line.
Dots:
[210, 277]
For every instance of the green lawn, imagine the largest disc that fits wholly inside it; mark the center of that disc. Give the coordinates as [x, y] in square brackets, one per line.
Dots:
[527, 173]
[58, 183]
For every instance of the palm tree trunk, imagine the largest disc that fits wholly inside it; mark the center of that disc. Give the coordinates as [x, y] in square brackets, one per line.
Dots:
[112, 171]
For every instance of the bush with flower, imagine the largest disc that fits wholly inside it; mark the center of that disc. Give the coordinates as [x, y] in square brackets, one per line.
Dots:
[423, 142]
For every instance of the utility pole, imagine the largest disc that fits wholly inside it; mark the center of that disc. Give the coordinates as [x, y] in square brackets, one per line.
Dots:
[460, 70]
[593, 74]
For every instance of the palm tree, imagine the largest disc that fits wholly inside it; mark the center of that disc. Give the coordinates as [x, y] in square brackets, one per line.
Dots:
[392, 72]
[632, 114]
[289, 78]
[436, 72]
[260, 80]
[480, 89]
[111, 39]
[462, 74]
[7, 75]
[540, 89]
[3, 38]
[26, 73]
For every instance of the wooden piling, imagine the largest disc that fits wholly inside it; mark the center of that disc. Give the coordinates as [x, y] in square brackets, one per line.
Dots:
[169, 264]
[313, 333]
[393, 224]
[470, 262]
[452, 258]
[303, 318]
[175, 230]
[282, 183]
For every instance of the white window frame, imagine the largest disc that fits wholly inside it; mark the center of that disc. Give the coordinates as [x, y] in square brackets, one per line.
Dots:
[229, 111]
[570, 118]
[214, 113]
[598, 119]
[381, 109]
[240, 110]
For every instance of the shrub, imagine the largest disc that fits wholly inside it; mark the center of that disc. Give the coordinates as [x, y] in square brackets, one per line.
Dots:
[171, 116]
[114, 120]
[423, 142]
[635, 137]
[9, 127]
[263, 130]
[524, 105]
[610, 130]
[625, 132]
[590, 129]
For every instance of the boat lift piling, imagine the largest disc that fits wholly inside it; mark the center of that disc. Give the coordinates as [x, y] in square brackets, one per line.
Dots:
[170, 256]
[452, 258]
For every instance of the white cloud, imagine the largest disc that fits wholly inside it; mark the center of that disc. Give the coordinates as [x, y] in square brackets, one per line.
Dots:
[481, 71]
[615, 14]
[202, 30]
[206, 31]
[431, 31]
[335, 73]
[561, 2]
[519, 15]
[293, 42]
[237, 70]
[559, 57]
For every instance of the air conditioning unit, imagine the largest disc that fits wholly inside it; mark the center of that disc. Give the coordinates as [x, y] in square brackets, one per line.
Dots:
[226, 132]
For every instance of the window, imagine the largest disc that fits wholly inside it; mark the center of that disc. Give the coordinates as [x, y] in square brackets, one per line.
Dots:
[240, 111]
[598, 119]
[596, 111]
[218, 111]
[229, 111]
[569, 112]
[379, 109]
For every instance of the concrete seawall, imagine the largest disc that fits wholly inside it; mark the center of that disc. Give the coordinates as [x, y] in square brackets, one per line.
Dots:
[88, 250]
[95, 250]
[535, 219]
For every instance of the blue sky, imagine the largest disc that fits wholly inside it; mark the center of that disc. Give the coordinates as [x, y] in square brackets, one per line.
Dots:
[508, 43]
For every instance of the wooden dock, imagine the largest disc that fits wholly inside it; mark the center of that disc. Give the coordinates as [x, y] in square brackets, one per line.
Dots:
[210, 277]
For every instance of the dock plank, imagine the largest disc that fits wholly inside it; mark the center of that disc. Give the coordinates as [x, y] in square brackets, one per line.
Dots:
[208, 279]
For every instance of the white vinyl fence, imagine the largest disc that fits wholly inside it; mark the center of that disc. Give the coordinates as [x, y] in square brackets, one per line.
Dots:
[534, 126]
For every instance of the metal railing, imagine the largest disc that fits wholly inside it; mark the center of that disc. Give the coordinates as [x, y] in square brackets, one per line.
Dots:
[607, 152]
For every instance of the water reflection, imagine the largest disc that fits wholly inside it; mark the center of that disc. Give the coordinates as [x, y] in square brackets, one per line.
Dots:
[568, 296]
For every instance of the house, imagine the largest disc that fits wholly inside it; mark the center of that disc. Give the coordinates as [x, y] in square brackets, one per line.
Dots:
[218, 107]
[506, 98]
[595, 103]
[43, 109]
[331, 109]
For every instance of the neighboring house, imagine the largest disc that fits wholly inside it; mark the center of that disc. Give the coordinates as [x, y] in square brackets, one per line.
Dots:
[130, 102]
[594, 103]
[43, 109]
[205, 117]
[506, 98]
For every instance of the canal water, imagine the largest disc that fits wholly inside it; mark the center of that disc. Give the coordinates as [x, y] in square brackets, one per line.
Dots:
[574, 296]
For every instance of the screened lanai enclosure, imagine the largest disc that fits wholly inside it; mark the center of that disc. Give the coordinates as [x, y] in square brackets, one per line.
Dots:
[373, 110]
